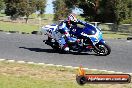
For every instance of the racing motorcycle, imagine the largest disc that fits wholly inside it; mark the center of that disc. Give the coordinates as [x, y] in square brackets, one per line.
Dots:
[89, 38]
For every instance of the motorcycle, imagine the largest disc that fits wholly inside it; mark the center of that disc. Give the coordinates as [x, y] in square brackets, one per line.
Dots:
[89, 39]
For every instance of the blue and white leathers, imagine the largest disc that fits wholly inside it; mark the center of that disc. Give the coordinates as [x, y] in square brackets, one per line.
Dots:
[63, 34]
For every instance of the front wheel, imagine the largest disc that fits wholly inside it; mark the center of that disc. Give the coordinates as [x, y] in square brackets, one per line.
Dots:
[103, 49]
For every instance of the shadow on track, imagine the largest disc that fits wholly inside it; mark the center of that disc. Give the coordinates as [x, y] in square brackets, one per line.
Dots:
[39, 50]
[54, 51]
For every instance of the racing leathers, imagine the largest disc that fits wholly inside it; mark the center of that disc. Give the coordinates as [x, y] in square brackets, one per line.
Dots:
[63, 35]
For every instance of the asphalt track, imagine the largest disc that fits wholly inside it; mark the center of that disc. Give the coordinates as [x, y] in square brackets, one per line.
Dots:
[27, 47]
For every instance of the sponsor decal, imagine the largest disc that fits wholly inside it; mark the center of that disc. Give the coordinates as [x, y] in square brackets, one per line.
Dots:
[83, 78]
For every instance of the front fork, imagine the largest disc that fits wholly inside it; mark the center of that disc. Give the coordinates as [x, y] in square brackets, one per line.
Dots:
[102, 41]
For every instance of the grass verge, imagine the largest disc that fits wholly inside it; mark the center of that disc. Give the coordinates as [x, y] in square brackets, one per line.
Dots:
[14, 75]
[28, 28]
[21, 27]
[113, 35]
[34, 25]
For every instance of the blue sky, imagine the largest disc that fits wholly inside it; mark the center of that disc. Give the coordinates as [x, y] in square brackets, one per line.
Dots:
[49, 8]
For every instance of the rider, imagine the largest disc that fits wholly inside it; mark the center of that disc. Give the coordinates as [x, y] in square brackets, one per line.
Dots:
[64, 29]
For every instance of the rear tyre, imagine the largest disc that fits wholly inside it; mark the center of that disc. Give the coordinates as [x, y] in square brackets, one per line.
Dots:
[55, 47]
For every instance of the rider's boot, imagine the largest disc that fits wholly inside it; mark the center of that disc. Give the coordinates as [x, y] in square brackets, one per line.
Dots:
[66, 48]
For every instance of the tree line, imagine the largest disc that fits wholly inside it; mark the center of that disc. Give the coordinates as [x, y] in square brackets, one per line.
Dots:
[21, 8]
[115, 11]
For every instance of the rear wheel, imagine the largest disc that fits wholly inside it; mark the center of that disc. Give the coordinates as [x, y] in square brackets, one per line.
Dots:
[103, 49]
[55, 46]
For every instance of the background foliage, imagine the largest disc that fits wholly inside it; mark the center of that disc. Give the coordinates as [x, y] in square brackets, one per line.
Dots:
[113, 11]
[21, 8]
[61, 9]
[2, 5]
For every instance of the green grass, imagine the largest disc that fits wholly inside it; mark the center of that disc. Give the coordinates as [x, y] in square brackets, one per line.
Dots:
[44, 16]
[34, 25]
[112, 35]
[14, 75]
[28, 28]
[21, 27]
[2, 15]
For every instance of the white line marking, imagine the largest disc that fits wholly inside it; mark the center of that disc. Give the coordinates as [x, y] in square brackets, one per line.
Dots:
[68, 66]
[59, 65]
[85, 68]
[76, 67]
[10, 60]
[50, 64]
[128, 41]
[95, 69]
[64, 66]
[2, 59]
[119, 72]
[30, 63]
[21, 62]
[41, 63]
[8, 33]
[111, 71]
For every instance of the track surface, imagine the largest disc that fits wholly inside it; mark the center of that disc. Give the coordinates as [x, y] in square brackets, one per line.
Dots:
[31, 48]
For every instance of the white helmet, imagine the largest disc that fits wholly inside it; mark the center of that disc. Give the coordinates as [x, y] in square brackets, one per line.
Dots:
[72, 18]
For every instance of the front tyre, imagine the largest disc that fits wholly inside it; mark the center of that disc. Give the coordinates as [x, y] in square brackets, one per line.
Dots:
[103, 49]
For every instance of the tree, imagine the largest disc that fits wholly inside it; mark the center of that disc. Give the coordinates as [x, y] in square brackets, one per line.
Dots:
[104, 10]
[20, 8]
[2, 5]
[40, 5]
[61, 9]
[26, 8]
[90, 8]
[113, 11]
[130, 8]
[122, 10]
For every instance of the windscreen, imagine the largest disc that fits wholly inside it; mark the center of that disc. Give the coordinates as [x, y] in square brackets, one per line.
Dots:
[90, 30]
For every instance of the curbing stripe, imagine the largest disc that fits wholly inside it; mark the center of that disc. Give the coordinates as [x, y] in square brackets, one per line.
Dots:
[41, 63]
[11, 61]
[59, 65]
[8, 33]
[30, 63]
[101, 70]
[2, 59]
[128, 41]
[21, 62]
[119, 72]
[75, 67]
[111, 71]
[50, 65]
[71, 67]
[129, 73]
[67, 66]
[96, 69]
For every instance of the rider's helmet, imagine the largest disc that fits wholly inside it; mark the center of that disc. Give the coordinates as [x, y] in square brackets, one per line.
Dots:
[71, 19]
